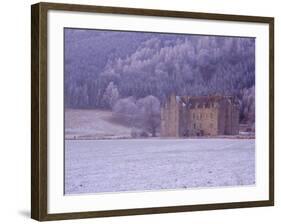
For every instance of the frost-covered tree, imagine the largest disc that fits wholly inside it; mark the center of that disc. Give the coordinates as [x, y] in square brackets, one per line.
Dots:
[247, 107]
[111, 95]
[126, 110]
[143, 113]
[149, 113]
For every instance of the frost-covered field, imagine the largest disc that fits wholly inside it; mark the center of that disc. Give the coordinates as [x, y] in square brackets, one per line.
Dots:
[93, 166]
[93, 124]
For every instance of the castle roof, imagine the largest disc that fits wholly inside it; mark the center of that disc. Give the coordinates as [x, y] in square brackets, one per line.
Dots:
[203, 101]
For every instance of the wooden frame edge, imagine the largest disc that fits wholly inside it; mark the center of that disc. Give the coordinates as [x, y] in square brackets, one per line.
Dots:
[154, 12]
[34, 112]
[271, 110]
[155, 210]
[39, 110]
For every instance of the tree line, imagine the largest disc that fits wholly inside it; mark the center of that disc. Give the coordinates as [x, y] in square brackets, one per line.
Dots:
[150, 65]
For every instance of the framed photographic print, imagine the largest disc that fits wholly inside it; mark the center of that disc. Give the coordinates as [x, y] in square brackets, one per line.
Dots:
[140, 111]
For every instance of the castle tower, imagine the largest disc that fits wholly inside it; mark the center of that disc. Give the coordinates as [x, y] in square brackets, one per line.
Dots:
[170, 118]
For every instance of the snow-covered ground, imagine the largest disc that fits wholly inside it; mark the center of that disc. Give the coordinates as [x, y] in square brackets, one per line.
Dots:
[93, 124]
[93, 166]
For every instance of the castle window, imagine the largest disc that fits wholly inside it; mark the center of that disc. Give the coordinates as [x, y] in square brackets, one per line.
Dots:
[200, 116]
[194, 125]
[211, 125]
[211, 115]
[193, 115]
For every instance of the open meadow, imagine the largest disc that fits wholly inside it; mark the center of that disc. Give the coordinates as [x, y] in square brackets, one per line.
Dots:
[93, 166]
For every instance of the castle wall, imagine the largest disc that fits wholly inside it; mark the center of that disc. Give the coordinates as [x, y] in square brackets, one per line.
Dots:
[204, 121]
[223, 118]
[235, 120]
[229, 118]
[228, 123]
[183, 121]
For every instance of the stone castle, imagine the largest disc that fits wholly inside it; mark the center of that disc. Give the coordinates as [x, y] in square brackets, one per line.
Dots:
[183, 116]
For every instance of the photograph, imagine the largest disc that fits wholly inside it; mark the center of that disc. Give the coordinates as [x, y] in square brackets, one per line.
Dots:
[148, 111]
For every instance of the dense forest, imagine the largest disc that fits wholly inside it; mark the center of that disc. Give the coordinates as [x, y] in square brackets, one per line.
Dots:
[106, 69]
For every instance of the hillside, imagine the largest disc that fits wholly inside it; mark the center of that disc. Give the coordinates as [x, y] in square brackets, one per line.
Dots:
[93, 124]
[140, 64]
